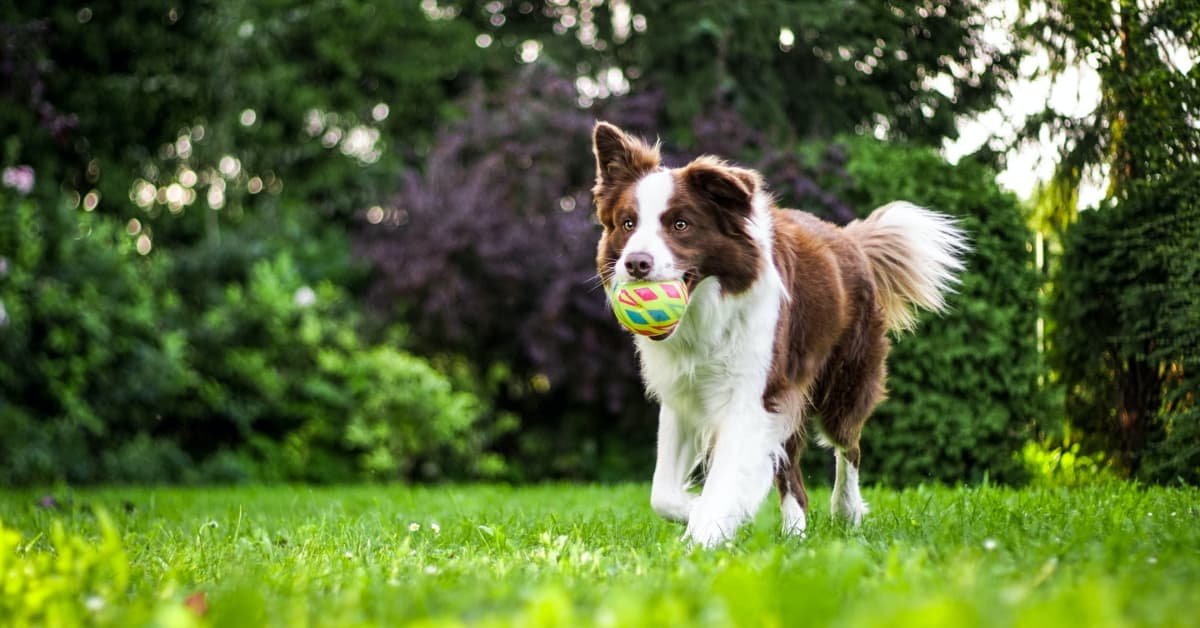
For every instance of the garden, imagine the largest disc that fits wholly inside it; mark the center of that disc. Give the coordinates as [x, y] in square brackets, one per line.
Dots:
[300, 320]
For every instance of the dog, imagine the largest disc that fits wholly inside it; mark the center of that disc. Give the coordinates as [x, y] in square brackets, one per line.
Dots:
[788, 317]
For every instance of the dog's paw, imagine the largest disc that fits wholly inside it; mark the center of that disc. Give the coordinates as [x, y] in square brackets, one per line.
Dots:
[708, 530]
[673, 508]
[849, 509]
[707, 536]
[795, 521]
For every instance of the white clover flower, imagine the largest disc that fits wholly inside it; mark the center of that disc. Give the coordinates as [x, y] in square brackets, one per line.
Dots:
[990, 544]
[414, 527]
[437, 529]
[305, 297]
[431, 570]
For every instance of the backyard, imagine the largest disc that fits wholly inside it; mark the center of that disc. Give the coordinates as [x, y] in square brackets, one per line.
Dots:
[301, 319]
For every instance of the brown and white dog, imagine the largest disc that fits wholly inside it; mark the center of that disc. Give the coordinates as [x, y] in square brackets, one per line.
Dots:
[788, 316]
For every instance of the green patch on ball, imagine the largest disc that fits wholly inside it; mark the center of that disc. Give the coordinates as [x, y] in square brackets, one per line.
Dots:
[650, 308]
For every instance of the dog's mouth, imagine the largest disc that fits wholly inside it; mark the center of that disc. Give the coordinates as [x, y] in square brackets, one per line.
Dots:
[690, 279]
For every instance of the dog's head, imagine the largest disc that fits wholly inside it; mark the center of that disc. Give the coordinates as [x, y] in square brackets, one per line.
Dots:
[660, 224]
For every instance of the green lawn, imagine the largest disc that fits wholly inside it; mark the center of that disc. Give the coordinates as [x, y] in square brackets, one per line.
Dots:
[568, 555]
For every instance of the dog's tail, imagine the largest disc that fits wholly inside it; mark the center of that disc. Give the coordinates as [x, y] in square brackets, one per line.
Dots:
[915, 255]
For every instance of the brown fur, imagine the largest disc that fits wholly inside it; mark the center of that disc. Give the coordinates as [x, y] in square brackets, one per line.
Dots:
[830, 344]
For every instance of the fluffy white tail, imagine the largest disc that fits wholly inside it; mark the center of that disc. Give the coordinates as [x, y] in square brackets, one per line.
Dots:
[915, 254]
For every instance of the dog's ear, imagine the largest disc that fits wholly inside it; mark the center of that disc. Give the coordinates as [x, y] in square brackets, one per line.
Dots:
[722, 185]
[620, 158]
[726, 190]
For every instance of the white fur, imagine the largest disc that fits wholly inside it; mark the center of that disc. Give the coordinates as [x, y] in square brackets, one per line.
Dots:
[677, 456]
[710, 376]
[932, 245]
[652, 192]
[846, 501]
[794, 519]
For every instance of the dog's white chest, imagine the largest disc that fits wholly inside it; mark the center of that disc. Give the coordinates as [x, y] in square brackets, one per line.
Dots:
[719, 357]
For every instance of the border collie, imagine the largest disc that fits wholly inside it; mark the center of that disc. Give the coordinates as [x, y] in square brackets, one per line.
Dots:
[788, 316]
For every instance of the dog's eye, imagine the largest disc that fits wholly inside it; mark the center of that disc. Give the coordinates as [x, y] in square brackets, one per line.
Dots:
[680, 225]
[627, 225]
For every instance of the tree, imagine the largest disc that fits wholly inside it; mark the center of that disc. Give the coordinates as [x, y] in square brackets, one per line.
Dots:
[247, 109]
[1123, 369]
[1144, 126]
[808, 69]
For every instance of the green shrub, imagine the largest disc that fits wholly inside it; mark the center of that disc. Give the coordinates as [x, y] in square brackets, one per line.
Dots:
[84, 355]
[963, 388]
[251, 371]
[1127, 339]
[291, 377]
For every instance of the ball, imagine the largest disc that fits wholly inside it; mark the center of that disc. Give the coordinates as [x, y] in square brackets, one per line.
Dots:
[650, 308]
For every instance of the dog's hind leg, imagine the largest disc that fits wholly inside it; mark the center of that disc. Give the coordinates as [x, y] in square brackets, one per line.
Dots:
[848, 394]
[793, 499]
[847, 501]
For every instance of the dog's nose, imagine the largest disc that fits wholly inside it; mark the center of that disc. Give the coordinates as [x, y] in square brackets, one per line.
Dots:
[638, 264]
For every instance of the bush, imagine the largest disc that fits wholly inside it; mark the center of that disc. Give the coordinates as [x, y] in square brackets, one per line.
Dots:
[963, 388]
[1127, 340]
[108, 374]
[289, 374]
[84, 355]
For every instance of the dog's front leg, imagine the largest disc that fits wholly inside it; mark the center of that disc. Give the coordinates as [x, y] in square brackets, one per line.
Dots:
[740, 474]
[669, 496]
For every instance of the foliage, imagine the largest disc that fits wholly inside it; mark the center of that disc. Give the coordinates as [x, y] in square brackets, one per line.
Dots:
[1124, 304]
[809, 69]
[1127, 342]
[321, 103]
[1065, 464]
[266, 378]
[68, 584]
[1144, 123]
[217, 149]
[192, 311]
[964, 386]
[84, 357]
[1111, 555]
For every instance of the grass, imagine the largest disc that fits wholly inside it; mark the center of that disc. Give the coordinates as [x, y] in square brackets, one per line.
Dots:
[577, 555]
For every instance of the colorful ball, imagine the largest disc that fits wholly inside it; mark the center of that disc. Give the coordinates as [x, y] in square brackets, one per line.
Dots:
[650, 308]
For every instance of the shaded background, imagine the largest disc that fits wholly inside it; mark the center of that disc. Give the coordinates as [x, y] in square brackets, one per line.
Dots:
[351, 240]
